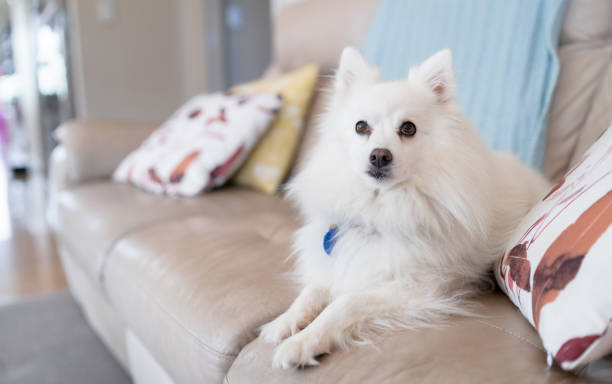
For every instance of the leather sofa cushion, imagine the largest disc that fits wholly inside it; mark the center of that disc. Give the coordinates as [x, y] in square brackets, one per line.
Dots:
[586, 20]
[571, 112]
[93, 217]
[196, 290]
[95, 148]
[500, 347]
[327, 26]
[600, 115]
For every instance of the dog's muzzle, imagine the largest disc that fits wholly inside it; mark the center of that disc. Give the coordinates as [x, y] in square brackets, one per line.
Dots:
[379, 174]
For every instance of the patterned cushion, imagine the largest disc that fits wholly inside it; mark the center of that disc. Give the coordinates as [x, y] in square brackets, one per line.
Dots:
[269, 163]
[201, 145]
[557, 268]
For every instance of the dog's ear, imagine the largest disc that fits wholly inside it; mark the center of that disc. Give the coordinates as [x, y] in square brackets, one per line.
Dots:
[353, 70]
[437, 73]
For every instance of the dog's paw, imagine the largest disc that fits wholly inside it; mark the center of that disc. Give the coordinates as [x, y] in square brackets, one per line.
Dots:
[276, 330]
[297, 351]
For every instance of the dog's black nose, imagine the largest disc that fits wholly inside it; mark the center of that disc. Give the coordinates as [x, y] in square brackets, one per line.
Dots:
[380, 157]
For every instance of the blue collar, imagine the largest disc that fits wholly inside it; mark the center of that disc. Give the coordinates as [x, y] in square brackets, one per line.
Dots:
[330, 238]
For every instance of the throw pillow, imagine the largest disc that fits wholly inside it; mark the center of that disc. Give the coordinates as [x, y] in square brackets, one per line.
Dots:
[267, 166]
[557, 268]
[201, 145]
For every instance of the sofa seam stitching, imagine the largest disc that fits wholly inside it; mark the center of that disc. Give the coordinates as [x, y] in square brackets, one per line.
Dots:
[507, 331]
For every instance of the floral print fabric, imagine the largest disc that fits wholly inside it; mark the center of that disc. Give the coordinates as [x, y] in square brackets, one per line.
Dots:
[557, 268]
[201, 145]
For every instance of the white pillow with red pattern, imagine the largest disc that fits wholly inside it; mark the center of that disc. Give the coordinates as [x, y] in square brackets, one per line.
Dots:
[201, 145]
[558, 265]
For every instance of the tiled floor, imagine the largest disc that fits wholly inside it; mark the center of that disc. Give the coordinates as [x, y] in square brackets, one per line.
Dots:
[29, 264]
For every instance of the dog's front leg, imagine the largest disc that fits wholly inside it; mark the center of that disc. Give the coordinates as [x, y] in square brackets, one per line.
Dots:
[336, 326]
[310, 302]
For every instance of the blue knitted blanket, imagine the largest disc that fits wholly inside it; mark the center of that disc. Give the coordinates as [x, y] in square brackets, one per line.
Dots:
[504, 54]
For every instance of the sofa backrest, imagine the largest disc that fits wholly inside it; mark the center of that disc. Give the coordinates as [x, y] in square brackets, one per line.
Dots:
[315, 31]
[582, 104]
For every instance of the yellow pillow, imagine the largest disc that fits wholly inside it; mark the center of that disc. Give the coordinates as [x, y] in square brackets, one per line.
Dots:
[269, 162]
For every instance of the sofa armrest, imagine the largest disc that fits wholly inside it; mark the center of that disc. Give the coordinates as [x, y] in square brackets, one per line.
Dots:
[91, 150]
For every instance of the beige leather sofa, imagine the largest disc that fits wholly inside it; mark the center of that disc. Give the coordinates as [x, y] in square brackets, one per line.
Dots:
[177, 288]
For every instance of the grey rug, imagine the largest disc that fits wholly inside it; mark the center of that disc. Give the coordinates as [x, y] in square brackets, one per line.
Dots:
[46, 340]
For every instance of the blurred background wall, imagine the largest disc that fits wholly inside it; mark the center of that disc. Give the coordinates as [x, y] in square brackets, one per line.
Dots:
[119, 60]
[135, 59]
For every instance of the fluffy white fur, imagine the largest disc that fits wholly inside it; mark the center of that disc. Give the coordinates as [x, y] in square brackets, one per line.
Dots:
[410, 246]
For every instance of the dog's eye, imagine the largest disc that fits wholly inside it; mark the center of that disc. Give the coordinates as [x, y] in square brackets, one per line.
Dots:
[362, 127]
[407, 129]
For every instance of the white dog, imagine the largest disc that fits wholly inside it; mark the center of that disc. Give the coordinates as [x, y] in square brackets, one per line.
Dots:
[405, 211]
